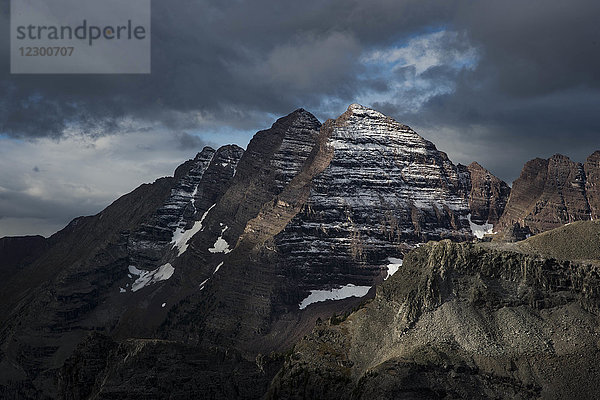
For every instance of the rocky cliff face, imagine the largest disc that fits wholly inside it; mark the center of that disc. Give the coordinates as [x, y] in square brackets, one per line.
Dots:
[148, 244]
[384, 188]
[368, 189]
[18, 252]
[238, 252]
[550, 193]
[202, 184]
[488, 195]
[592, 183]
[459, 321]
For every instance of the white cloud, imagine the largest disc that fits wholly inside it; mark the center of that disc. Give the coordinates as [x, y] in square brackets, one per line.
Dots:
[426, 51]
[404, 67]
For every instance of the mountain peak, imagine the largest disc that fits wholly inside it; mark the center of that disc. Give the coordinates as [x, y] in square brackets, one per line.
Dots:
[475, 165]
[299, 119]
[207, 150]
[369, 118]
[361, 110]
[549, 193]
[558, 156]
[595, 156]
[243, 251]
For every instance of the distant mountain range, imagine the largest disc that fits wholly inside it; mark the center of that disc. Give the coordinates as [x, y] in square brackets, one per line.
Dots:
[204, 284]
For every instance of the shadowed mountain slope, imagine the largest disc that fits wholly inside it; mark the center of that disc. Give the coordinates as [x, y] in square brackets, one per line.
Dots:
[234, 257]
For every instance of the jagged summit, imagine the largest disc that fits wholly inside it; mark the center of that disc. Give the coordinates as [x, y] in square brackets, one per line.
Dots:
[299, 119]
[594, 157]
[359, 109]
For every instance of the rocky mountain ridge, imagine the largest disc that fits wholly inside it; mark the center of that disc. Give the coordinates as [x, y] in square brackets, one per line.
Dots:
[550, 193]
[460, 321]
[236, 256]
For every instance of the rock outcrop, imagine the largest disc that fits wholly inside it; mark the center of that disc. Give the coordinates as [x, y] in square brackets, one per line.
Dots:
[550, 193]
[488, 195]
[592, 183]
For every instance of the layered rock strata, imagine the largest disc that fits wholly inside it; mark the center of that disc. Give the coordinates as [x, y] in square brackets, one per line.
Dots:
[553, 192]
[488, 195]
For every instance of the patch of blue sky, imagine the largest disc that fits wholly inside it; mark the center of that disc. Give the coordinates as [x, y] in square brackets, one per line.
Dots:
[8, 138]
[403, 64]
[423, 52]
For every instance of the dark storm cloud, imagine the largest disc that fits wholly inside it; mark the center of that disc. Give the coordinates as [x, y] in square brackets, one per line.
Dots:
[536, 88]
[532, 91]
[537, 47]
[229, 62]
[186, 141]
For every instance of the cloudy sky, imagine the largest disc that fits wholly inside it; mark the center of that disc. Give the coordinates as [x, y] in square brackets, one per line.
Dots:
[499, 82]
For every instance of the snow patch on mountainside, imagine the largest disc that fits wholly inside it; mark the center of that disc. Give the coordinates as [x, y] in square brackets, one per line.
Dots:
[146, 278]
[218, 266]
[181, 236]
[480, 230]
[221, 245]
[393, 266]
[344, 292]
